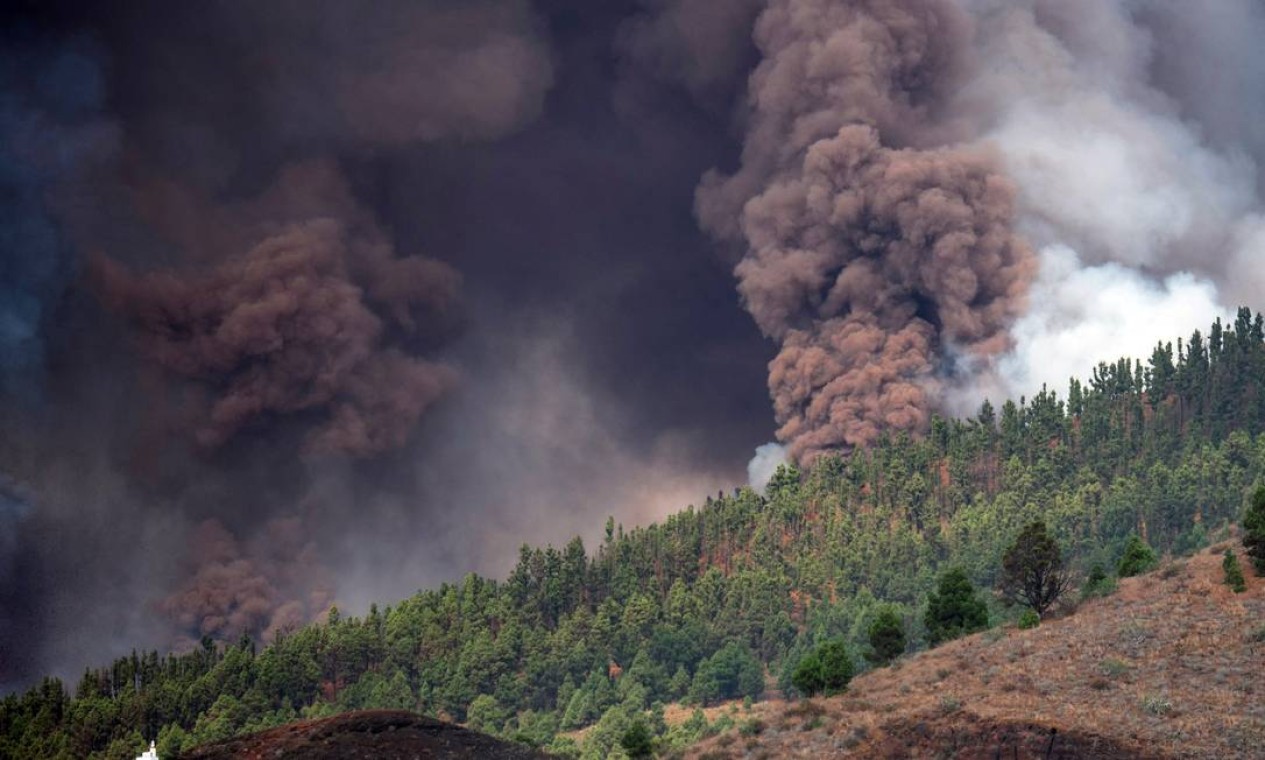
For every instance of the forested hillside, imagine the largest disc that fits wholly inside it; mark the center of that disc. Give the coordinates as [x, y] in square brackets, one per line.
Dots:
[698, 607]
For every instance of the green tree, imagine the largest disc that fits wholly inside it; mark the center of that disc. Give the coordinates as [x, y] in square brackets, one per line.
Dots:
[836, 666]
[729, 673]
[827, 668]
[1032, 570]
[486, 714]
[807, 678]
[637, 741]
[1233, 573]
[1254, 530]
[1096, 582]
[887, 637]
[954, 609]
[1138, 557]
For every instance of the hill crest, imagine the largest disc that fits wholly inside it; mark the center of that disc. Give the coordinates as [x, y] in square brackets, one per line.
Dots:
[1166, 667]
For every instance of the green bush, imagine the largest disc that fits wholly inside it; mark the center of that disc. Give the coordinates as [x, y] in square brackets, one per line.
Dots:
[827, 669]
[1138, 558]
[1233, 573]
[1097, 583]
[1032, 569]
[954, 609]
[887, 637]
[807, 678]
[1029, 619]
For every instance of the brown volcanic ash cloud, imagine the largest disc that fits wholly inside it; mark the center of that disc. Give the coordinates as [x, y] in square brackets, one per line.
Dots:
[303, 321]
[872, 252]
[271, 584]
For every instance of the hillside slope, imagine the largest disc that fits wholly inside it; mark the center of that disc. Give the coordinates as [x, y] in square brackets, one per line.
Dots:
[1169, 666]
[696, 607]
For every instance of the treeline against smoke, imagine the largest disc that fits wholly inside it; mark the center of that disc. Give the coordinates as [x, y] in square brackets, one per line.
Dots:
[694, 608]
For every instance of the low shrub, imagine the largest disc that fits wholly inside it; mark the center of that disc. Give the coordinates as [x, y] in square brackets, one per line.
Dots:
[1233, 573]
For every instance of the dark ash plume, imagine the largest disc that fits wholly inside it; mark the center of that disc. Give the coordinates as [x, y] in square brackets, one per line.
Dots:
[272, 584]
[871, 251]
[266, 160]
[313, 318]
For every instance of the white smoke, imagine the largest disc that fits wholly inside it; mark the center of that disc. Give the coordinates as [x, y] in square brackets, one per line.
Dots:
[1082, 315]
[1148, 229]
[768, 457]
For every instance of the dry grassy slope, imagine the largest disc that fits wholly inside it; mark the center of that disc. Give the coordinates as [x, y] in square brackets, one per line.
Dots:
[1172, 665]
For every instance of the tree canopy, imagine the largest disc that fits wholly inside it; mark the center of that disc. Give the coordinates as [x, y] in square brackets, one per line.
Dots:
[1032, 569]
[954, 609]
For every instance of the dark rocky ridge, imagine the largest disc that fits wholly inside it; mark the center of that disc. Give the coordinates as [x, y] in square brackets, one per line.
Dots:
[371, 735]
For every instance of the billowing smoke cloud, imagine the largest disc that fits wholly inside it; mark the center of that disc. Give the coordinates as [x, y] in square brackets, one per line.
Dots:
[291, 228]
[285, 315]
[273, 584]
[298, 324]
[872, 253]
[293, 309]
[899, 153]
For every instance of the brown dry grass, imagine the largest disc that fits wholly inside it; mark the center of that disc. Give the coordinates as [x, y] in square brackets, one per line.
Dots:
[1169, 666]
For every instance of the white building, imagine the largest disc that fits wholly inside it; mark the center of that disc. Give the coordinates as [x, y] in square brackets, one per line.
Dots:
[150, 754]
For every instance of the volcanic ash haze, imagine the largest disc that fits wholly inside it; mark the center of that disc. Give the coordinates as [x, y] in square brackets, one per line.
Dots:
[311, 301]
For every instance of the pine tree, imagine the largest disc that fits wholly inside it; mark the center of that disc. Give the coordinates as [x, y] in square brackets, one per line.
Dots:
[1233, 573]
[637, 741]
[1096, 582]
[1138, 557]
[887, 637]
[1254, 530]
[836, 666]
[954, 609]
[807, 678]
[1032, 570]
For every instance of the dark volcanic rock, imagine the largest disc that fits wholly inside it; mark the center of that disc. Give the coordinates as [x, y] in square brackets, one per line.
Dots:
[369, 735]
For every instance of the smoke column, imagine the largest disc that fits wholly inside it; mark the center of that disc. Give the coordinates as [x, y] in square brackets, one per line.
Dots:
[874, 250]
[897, 156]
